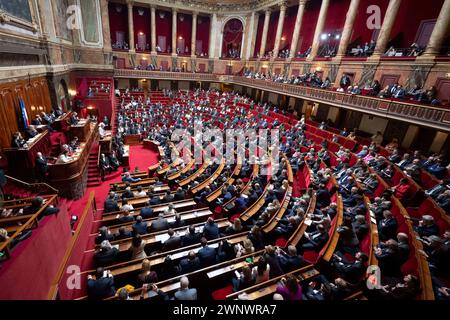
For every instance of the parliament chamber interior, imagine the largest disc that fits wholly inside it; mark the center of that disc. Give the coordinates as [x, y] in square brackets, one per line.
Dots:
[225, 150]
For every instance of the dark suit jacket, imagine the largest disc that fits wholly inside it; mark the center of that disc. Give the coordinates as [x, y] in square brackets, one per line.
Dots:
[172, 243]
[168, 198]
[189, 239]
[101, 288]
[140, 228]
[110, 205]
[147, 212]
[289, 263]
[211, 231]
[105, 258]
[160, 224]
[207, 256]
[179, 196]
[188, 265]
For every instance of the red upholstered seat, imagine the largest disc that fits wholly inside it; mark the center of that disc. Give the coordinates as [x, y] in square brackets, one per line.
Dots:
[236, 216]
[410, 266]
[221, 294]
[311, 256]
[281, 242]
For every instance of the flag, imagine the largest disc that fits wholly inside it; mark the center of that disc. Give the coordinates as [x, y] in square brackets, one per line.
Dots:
[23, 112]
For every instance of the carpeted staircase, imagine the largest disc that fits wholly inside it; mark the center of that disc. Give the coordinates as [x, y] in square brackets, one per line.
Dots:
[94, 178]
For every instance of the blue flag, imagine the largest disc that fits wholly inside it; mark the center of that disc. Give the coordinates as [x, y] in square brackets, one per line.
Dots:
[23, 112]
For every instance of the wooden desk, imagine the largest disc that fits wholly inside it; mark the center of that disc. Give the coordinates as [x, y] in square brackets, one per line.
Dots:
[132, 139]
[61, 123]
[106, 145]
[151, 145]
[21, 161]
[80, 130]
[71, 178]
[126, 156]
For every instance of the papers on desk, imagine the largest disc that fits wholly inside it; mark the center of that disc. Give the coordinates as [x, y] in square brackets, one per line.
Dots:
[308, 222]
[162, 237]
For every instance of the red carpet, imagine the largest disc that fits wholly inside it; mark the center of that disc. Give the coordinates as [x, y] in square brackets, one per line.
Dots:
[139, 157]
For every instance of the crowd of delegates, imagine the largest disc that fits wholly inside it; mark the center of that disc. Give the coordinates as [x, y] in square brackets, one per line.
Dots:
[363, 51]
[346, 275]
[42, 119]
[36, 204]
[373, 88]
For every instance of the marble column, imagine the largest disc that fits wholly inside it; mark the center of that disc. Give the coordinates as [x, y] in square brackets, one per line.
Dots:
[279, 33]
[262, 50]
[194, 34]
[297, 27]
[153, 28]
[212, 36]
[174, 32]
[254, 17]
[131, 44]
[319, 28]
[348, 27]
[386, 28]
[105, 25]
[440, 31]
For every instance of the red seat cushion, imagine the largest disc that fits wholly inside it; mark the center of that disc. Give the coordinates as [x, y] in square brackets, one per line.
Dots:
[221, 294]
[311, 256]
[236, 216]
[281, 242]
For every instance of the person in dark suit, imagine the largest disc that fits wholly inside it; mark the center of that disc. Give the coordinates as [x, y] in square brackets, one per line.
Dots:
[190, 264]
[73, 120]
[191, 237]
[106, 255]
[211, 229]
[17, 141]
[127, 194]
[387, 227]
[351, 271]
[315, 240]
[178, 222]
[174, 241]
[103, 285]
[125, 217]
[168, 197]
[160, 224]
[31, 132]
[154, 199]
[147, 211]
[323, 197]
[110, 204]
[41, 166]
[179, 194]
[360, 227]
[123, 234]
[36, 204]
[389, 259]
[273, 261]
[206, 254]
[140, 227]
[104, 234]
[291, 260]
[37, 121]
[427, 227]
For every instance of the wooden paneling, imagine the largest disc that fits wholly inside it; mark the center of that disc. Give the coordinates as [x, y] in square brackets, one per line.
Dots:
[443, 89]
[388, 79]
[34, 93]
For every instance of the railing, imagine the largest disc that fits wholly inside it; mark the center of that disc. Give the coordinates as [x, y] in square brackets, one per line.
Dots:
[424, 115]
[33, 220]
[76, 247]
[34, 187]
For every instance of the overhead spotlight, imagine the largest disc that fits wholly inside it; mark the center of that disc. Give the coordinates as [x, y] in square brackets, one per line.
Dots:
[283, 38]
[180, 38]
[324, 36]
[337, 37]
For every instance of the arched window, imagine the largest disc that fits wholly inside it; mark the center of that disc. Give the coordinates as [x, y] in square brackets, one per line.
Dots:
[232, 39]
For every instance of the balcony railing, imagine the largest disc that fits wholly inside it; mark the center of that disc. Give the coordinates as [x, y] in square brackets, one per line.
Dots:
[424, 115]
